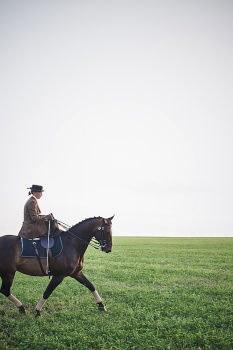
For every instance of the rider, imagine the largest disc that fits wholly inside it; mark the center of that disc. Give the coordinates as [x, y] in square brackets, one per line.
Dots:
[34, 224]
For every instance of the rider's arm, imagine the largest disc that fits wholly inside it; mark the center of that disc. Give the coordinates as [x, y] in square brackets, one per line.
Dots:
[33, 214]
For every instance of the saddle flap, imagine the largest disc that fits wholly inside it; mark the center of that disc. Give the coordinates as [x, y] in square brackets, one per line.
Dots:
[28, 248]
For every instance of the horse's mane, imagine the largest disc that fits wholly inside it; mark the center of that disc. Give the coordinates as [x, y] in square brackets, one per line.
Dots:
[76, 226]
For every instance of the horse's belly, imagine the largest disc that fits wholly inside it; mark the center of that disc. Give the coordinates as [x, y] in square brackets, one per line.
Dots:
[31, 266]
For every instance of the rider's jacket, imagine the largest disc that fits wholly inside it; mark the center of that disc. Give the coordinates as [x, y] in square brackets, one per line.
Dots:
[34, 224]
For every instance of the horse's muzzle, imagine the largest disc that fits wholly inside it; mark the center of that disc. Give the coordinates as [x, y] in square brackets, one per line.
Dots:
[106, 248]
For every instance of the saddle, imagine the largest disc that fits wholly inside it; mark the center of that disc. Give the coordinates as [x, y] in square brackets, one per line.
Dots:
[29, 247]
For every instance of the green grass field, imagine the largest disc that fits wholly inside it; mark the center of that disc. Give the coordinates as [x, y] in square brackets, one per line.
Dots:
[161, 293]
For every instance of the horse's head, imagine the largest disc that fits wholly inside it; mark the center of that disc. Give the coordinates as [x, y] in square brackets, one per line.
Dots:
[103, 234]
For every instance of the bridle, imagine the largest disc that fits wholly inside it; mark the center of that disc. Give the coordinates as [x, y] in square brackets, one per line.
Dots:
[102, 233]
[94, 242]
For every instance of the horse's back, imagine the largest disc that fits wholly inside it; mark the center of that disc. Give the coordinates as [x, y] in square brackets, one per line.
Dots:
[8, 240]
[8, 250]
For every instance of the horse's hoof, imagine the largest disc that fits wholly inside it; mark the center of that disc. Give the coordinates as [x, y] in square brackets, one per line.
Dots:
[101, 307]
[22, 310]
[37, 314]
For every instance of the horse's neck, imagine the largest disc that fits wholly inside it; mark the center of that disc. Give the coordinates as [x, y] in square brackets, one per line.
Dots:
[84, 232]
[87, 228]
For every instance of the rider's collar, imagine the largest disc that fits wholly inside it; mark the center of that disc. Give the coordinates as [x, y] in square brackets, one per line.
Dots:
[34, 197]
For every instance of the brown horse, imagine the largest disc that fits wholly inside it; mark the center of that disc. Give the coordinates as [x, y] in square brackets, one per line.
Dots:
[69, 263]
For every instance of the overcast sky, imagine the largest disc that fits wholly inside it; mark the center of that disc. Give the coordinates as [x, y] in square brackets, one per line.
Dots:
[119, 106]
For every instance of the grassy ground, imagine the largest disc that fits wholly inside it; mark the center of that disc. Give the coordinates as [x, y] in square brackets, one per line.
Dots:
[161, 293]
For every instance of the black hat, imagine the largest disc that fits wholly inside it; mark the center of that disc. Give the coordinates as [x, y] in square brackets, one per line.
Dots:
[36, 188]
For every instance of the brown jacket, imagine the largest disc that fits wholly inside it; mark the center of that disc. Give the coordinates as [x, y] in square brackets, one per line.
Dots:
[34, 224]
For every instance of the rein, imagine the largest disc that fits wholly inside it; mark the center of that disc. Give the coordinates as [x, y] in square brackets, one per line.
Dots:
[93, 242]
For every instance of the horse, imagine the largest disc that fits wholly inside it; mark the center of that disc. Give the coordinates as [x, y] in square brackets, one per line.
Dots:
[75, 241]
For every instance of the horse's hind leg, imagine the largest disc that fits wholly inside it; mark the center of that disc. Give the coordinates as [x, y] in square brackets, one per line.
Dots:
[7, 280]
[83, 280]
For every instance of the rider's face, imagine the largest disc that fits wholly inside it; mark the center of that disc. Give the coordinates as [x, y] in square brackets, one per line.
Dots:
[38, 195]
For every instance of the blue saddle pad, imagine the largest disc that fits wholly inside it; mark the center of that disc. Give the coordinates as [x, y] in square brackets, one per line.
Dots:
[28, 249]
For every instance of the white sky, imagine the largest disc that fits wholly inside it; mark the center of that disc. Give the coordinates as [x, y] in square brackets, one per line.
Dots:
[119, 107]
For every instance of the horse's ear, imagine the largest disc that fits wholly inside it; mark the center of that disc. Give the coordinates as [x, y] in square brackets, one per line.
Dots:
[111, 217]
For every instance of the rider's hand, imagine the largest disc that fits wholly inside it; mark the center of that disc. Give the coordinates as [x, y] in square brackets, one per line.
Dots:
[48, 217]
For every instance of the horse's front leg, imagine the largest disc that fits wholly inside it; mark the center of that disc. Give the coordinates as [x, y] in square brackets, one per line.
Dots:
[55, 281]
[83, 280]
